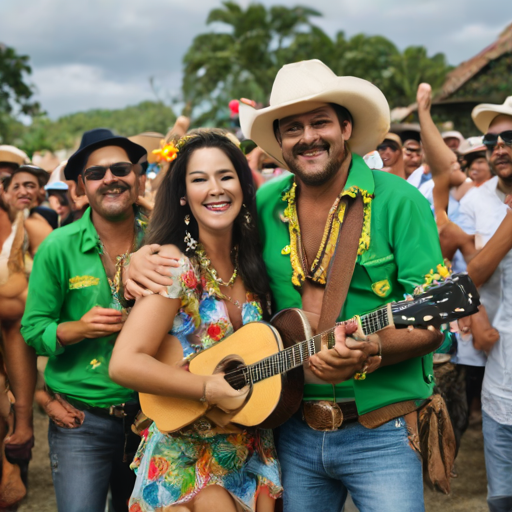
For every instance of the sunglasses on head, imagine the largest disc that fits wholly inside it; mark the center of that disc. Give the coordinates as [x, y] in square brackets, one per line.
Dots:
[97, 172]
[490, 140]
[386, 145]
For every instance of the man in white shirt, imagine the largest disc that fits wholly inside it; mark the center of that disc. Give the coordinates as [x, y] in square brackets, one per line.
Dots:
[481, 212]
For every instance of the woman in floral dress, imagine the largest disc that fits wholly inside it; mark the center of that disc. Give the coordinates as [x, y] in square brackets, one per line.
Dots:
[205, 206]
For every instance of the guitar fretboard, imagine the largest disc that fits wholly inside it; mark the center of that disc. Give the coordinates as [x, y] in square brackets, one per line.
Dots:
[297, 354]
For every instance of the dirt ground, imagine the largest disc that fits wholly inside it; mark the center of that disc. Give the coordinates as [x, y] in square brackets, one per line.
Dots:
[468, 489]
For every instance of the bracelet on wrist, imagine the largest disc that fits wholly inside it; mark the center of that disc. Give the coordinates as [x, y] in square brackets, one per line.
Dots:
[203, 399]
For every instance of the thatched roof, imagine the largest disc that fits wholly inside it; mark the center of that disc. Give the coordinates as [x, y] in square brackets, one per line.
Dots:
[468, 69]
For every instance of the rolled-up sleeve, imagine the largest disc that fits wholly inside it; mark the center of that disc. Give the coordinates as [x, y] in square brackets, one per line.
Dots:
[46, 291]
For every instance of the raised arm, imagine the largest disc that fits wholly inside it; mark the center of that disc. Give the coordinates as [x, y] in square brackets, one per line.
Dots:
[483, 265]
[438, 155]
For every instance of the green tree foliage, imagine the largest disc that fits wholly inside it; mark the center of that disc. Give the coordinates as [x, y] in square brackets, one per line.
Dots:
[65, 132]
[15, 93]
[242, 60]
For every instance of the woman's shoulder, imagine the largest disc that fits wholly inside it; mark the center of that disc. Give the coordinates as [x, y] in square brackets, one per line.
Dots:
[185, 279]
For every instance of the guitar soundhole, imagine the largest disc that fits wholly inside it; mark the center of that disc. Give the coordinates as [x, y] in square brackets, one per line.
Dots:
[232, 367]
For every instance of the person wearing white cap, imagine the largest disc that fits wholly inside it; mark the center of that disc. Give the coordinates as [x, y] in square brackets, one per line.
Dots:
[482, 212]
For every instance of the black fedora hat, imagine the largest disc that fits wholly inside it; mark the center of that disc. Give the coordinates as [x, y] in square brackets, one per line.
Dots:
[95, 139]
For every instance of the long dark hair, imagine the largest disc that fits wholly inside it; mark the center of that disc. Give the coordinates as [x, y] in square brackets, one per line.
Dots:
[168, 227]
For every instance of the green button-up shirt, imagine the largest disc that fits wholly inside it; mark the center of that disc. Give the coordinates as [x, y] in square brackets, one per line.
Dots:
[404, 247]
[67, 280]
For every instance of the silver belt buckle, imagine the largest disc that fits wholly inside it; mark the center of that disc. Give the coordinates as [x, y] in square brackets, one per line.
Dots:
[117, 411]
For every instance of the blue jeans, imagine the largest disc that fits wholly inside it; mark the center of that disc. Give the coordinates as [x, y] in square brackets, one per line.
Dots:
[378, 467]
[498, 463]
[86, 461]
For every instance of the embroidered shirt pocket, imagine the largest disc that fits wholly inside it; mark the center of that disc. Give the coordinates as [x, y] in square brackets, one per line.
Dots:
[382, 274]
[78, 282]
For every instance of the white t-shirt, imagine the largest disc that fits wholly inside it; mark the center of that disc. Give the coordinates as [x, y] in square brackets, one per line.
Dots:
[415, 178]
[481, 213]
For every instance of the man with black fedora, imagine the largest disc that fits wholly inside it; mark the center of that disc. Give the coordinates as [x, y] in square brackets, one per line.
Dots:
[73, 315]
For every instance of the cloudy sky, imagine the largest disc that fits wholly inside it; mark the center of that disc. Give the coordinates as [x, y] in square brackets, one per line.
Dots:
[102, 53]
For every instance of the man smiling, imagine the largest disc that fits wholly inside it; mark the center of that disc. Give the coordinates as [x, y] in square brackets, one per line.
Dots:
[355, 437]
[482, 211]
[321, 125]
[73, 315]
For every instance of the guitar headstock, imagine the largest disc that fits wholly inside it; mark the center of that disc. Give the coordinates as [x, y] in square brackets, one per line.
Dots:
[450, 300]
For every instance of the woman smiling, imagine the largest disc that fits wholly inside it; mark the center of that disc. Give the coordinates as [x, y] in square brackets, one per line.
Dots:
[205, 206]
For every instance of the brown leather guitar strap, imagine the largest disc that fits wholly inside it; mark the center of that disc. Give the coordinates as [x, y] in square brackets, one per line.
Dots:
[342, 265]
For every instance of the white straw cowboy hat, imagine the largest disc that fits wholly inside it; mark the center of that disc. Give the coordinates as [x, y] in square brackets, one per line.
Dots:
[484, 113]
[304, 86]
[13, 155]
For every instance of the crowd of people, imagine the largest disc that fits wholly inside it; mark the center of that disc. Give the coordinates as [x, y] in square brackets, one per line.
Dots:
[120, 265]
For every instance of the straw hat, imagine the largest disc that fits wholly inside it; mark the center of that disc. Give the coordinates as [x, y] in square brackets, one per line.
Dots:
[305, 86]
[149, 141]
[453, 134]
[13, 155]
[484, 113]
[471, 145]
[394, 138]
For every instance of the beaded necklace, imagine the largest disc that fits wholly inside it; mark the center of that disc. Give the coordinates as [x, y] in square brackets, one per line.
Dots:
[213, 281]
[317, 272]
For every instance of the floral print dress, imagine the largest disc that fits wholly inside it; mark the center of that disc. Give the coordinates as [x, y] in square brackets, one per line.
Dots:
[173, 468]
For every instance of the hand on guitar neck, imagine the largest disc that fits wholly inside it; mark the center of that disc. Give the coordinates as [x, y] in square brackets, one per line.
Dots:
[347, 357]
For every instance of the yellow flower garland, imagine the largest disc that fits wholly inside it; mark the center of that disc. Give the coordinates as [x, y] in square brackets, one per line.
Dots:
[329, 238]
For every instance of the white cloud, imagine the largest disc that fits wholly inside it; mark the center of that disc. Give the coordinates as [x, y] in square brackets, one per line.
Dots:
[75, 87]
[101, 53]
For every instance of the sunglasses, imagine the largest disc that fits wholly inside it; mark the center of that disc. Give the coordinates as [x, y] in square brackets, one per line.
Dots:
[490, 140]
[386, 145]
[97, 172]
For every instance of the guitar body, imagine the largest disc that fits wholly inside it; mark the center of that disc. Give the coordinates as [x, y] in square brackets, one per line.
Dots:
[248, 345]
[293, 327]
[261, 355]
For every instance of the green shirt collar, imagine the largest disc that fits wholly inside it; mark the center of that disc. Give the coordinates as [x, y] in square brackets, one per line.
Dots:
[89, 234]
[90, 238]
[360, 176]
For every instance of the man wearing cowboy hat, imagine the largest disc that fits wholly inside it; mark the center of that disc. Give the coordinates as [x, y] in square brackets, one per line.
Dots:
[73, 315]
[482, 211]
[319, 126]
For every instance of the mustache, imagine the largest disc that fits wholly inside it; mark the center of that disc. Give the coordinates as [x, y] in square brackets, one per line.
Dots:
[505, 159]
[301, 148]
[120, 186]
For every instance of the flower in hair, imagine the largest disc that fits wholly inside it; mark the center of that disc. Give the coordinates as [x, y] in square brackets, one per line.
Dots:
[167, 153]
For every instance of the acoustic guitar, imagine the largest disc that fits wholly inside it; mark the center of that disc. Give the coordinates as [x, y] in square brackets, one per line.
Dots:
[269, 357]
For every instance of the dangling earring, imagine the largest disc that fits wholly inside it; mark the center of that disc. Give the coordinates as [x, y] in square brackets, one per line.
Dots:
[191, 243]
[247, 216]
[183, 201]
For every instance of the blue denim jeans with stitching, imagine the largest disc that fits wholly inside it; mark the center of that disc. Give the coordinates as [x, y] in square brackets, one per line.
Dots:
[378, 467]
[86, 461]
[498, 463]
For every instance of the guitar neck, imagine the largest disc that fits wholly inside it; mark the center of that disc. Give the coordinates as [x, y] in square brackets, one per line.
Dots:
[297, 354]
[376, 320]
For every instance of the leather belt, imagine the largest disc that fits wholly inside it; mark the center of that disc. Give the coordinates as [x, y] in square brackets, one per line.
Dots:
[118, 410]
[326, 416]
